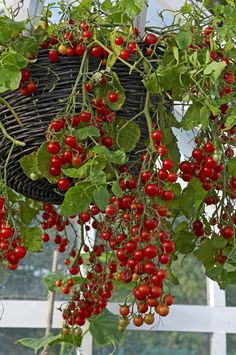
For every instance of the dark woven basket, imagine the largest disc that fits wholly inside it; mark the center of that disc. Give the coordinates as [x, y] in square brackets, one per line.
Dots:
[37, 111]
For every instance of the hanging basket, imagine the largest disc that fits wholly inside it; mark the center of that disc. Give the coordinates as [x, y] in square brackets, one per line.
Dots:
[55, 82]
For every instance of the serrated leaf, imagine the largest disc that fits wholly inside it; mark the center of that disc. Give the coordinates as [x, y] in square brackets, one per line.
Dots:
[116, 189]
[84, 133]
[101, 197]
[44, 163]
[77, 199]
[117, 157]
[103, 328]
[32, 238]
[184, 39]
[127, 134]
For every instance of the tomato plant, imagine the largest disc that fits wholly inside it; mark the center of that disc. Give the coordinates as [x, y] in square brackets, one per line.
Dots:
[146, 211]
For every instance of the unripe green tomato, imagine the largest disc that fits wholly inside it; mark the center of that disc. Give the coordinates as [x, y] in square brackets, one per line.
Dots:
[217, 156]
[34, 176]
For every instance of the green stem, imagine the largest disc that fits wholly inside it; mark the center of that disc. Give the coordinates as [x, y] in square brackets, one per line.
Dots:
[148, 120]
[15, 141]
[5, 103]
[132, 67]
[80, 74]
[63, 348]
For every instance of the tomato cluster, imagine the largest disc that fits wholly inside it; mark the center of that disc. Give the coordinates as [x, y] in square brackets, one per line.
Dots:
[12, 250]
[27, 85]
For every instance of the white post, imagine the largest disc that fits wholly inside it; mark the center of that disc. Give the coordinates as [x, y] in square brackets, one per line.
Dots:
[87, 343]
[140, 21]
[216, 298]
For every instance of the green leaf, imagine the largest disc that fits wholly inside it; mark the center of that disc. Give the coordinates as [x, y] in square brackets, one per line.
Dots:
[176, 54]
[76, 173]
[27, 213]
[50, 278]
[171, 120]
[9, 29]
[206, 253]
[200, 192]
[26, 46]
[170, 276]
[171, 143]
[101, 197]
[230, 122]
[151, 83]
[97, 175]
[184, 39]
[116, 189]
[204, 116]
[131, 8]
[215, 69]
[103, 328]
[231, 166]
[127, 134]
[21, 61]
[36, 343]
[84, 133]
[191, 118]
[44, 163]
[77, 199]
[184, 242]
[32, 238]
[181, 226]
[117, 157]
[218, 242]
[10, 77]
[187, 201]
[29, 164]
[186, 9]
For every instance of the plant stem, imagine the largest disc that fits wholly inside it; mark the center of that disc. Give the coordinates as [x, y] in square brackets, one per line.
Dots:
[51, 300]
[15, 141]
[62, 350]
[5, 103]
[148, 120]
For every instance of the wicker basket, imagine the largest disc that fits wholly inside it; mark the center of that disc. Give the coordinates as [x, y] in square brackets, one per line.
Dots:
[55, 81]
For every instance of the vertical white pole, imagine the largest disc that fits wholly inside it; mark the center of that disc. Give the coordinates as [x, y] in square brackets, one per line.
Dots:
[140, 21]
[216, 298]
[87, 343]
